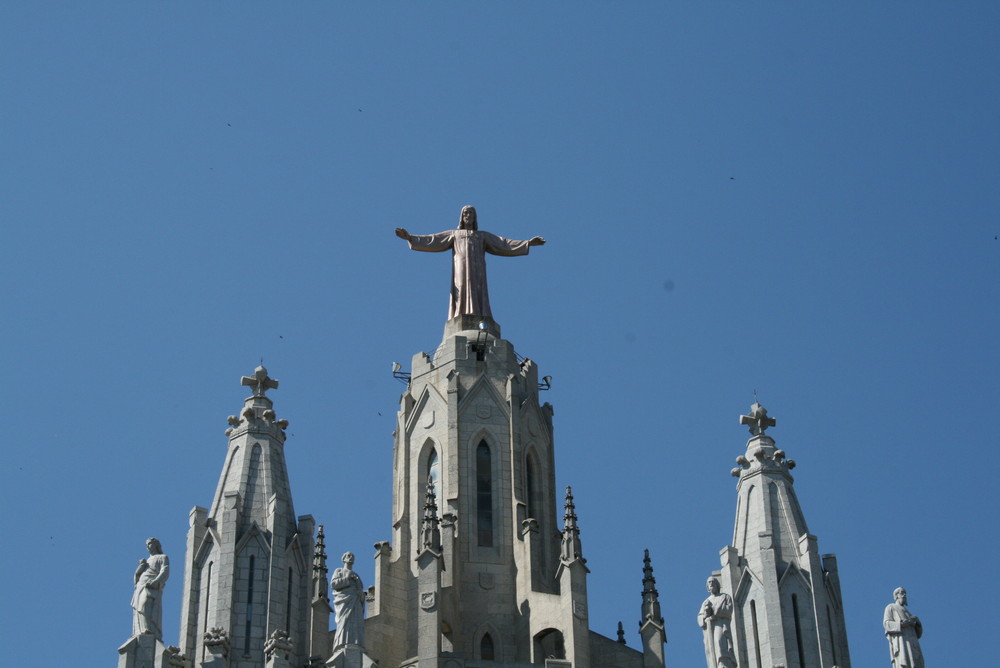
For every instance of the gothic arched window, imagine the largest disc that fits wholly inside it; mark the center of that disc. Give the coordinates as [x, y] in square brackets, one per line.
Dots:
[486, 648]
[434, 474]
[756, 634]
[531, 491]
[484, 495]
[434, 470]
[798, 630]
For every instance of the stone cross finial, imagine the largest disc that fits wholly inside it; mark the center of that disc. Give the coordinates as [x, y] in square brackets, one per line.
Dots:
[259, 381]
[758, 419]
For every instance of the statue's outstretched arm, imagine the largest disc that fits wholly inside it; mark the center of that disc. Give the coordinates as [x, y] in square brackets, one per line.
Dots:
[432, 243]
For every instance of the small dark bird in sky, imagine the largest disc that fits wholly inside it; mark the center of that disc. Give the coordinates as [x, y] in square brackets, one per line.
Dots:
[380, 413]
[280, 336]
[359, 108]
[732, 178]
[229, 124]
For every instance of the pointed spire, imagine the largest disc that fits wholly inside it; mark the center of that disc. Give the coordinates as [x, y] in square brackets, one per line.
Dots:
[429, 530]
[761, 454]
[320, 570]
[621, 634]
[571, 546]
[650, 597]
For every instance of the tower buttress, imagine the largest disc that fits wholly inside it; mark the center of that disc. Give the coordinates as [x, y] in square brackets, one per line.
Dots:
[319, 614]
[429, 565]
[572, 576]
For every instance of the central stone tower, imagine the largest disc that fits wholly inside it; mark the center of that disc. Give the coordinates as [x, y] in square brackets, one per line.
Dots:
[502, 582]
[479, 568]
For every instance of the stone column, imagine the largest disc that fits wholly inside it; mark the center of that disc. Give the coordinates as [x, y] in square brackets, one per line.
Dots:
[429, 612]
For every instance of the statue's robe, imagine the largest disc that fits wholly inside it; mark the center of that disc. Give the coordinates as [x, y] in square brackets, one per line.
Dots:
[718, 637]
[147, 598]
[903, 640]
[349, 608]
[469, 292]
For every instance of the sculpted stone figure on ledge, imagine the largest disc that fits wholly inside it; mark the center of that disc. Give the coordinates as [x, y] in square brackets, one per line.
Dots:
[469, 245]
[147, 601]
[714, 618]
[903, 631]
[348, 604]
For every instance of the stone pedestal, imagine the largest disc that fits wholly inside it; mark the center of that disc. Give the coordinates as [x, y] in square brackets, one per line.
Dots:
[145, 651]
[350, 656]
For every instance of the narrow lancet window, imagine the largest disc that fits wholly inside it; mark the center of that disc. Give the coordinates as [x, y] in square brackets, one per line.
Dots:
[798, 630]
[246, 638]
[288, 602]
[756, 634]
[531, 493]
[833, 634]
[484, 495]
[486, 648]
[208, 596]
[434, 473]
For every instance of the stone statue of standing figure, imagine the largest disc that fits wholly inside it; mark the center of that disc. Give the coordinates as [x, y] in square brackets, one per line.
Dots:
[147, 599]
[469, 245]
[348, 604]
[714, 618]
[903, 631]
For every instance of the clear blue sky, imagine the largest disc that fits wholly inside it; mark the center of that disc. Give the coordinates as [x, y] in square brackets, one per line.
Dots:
[797, 198]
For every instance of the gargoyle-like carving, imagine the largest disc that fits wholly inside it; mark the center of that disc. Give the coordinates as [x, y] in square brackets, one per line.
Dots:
[216, 636]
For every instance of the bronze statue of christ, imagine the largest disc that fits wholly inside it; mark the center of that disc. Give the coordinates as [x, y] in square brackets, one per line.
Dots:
[469, 245]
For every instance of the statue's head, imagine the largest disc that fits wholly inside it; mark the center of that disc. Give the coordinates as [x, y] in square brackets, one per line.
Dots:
[900, 595]
[713, 586]
[348, 559]
[467, 219]
[153, 545]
